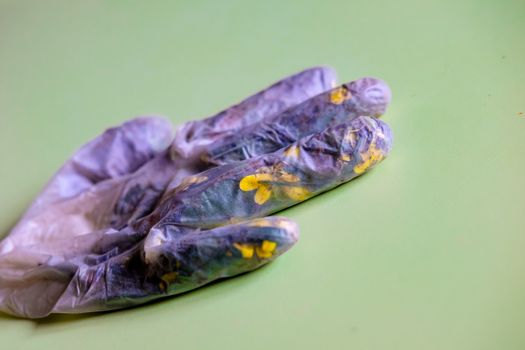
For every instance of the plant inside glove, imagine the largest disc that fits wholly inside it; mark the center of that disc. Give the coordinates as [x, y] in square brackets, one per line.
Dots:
[143, 212]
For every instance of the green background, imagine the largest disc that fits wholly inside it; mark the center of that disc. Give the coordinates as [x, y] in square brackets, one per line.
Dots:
[425, 252]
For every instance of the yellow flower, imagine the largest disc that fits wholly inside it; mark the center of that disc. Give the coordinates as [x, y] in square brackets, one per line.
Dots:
[265, 183]
[371, 157]
[265, 250]
[339, 95]
[296, 193]
[245, 249]
[253, 182]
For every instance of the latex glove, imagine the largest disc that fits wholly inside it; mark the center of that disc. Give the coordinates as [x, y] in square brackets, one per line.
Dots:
[138, 214]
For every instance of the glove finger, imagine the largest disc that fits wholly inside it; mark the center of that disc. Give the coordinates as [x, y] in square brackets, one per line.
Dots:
[266, 184]
[271, 101]
[169, 263]
[140, 195]
[363, 97]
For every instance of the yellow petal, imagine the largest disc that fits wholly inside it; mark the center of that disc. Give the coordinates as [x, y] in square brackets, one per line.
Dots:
[249, 183]
[376, 156]
[371, 157]
[245, 249]
[339, 95]
[262, 254]
[268, 246]
[169, 277]
[361, 168]
[266, 249]
[263, 194]
[296, 193]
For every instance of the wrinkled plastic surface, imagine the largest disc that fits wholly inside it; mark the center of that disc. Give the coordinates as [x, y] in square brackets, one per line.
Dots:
[144, 211]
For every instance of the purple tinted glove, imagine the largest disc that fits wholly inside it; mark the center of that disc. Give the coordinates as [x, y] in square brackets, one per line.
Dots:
[141, 212]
